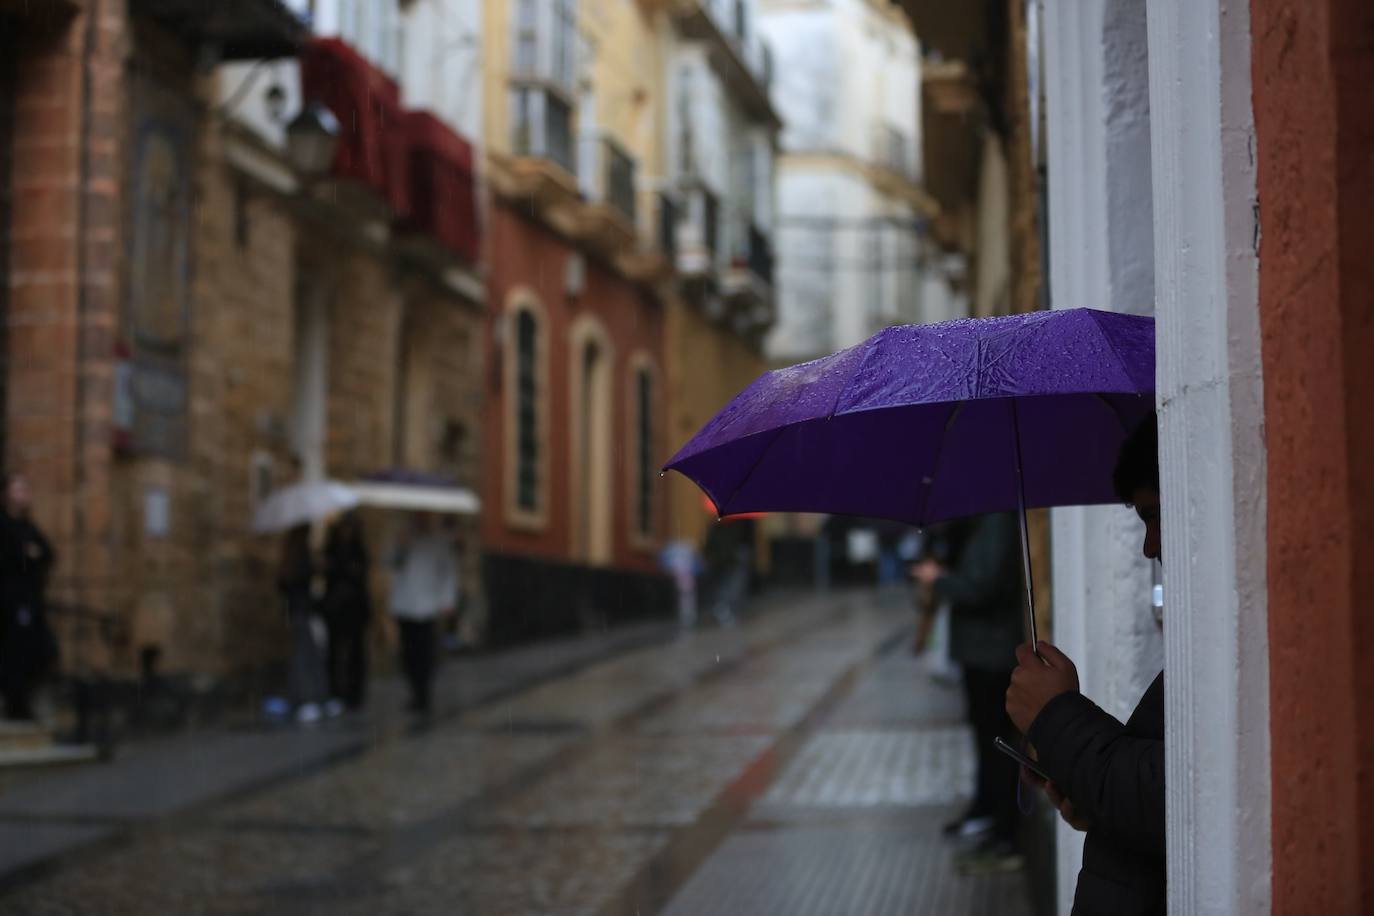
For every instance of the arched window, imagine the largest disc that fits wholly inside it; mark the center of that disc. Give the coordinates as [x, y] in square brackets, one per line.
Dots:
[526, 411]
[525, 390]
[644, 453]
[643, 450]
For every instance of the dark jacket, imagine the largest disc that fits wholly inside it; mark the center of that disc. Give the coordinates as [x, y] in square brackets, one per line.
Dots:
[984, 591]
[1114, 775]
[348, 603]
[28, 646]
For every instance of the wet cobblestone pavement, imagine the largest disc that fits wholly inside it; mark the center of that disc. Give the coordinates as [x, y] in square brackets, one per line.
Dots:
[797, 763]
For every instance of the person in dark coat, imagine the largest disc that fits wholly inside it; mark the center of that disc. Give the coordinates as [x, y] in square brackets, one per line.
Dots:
[982, 585]
[28, 648]
[296, 582]
[1106, 777]
[348, 608]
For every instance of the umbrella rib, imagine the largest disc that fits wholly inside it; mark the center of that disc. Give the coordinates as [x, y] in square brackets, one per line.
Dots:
[763, 453]
[1111, 344]
[929, 485]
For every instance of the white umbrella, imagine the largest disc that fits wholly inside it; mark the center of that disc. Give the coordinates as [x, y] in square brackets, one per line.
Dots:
[302, 503]
[417, 498]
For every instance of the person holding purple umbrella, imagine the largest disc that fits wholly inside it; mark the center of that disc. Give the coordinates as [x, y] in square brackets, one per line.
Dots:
[1106, 778]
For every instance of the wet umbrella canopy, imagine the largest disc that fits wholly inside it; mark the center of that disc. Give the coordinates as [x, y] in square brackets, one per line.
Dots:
[923, 423]
[926, 422]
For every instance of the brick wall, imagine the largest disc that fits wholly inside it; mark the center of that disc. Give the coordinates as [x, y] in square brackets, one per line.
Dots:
[63, 280]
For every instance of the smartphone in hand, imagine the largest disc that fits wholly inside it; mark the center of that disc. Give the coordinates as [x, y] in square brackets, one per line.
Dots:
[1020, 758]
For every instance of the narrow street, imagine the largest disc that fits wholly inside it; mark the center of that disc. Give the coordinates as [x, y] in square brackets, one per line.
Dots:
[799, 763]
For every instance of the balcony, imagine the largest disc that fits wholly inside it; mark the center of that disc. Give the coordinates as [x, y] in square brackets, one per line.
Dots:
[371, 166]
[541, 168]
[443, 222]
[668, 215]
[741, 59]
[608, 221]
[697, 249]
[893, 153]
[749, 279]
[652, 261]
[231, 29]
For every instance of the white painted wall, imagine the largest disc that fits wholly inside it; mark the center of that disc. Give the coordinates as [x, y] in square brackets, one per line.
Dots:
[712, 140]
[433, 50]
[441, 62]
[1212, 454]
[844, 71]
[1101, 255]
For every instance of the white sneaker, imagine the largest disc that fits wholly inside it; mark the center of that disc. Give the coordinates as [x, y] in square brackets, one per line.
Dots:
[308, 713]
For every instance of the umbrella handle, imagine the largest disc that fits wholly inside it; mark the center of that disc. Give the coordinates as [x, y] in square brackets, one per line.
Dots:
[1025, 532]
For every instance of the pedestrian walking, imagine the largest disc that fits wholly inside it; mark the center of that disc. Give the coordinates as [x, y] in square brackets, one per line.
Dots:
[28, 646]
[348, 609]
[1106, 777]
[296, 576]
[729, 553]
[424, 587]
[679, 559]
[983, 589]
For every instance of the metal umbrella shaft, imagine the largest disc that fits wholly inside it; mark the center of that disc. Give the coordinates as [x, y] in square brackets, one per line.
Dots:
[1025, 533]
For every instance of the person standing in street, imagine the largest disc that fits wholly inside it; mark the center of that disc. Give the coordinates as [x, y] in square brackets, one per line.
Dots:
[729, 555]
[296, 581]
[424, 587]
[982, 586]
[1106, 776]
[28, 648]
[348, 608]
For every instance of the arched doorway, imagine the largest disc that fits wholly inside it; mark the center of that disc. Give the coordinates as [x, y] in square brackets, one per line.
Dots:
[591, 393]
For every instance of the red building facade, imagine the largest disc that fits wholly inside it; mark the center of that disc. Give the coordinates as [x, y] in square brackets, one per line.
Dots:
[575, 393]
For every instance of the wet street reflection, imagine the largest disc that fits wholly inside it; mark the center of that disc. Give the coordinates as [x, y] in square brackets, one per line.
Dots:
[800, 761]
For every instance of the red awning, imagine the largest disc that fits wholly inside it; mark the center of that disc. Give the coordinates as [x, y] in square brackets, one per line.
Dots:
[443, 185]
[367, 102]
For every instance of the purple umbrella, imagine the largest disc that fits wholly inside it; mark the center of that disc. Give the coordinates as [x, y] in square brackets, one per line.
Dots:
[922, 423]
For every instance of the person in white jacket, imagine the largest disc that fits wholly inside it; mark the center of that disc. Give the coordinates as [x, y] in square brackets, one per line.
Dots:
[424, 588]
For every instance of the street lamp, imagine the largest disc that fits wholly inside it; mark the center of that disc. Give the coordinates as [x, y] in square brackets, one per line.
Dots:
[312, 137]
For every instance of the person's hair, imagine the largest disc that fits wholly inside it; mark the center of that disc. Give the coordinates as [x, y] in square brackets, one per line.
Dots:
[1137, 465]
[295, 553]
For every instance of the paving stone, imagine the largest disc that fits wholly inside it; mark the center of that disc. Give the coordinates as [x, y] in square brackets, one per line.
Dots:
[188, 872]
[873, 869]
[635, 782]
[24, 843]
[869, 768]
[568, 873]
[155, 780]
[900, 692]
[740, 705]
[399, 783]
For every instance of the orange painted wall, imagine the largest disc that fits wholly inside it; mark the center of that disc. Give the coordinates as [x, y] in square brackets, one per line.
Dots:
[1313, 66]
[525, 253]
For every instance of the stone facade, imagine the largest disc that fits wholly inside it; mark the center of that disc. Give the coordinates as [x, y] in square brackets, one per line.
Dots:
[152, 525]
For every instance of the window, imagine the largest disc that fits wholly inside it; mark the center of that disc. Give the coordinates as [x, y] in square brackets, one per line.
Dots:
[620, 180]
[542, 126]
[527, 38]
[545, 40]
[687, 164]
[644, 453]
[526, 411]
[711, 218]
